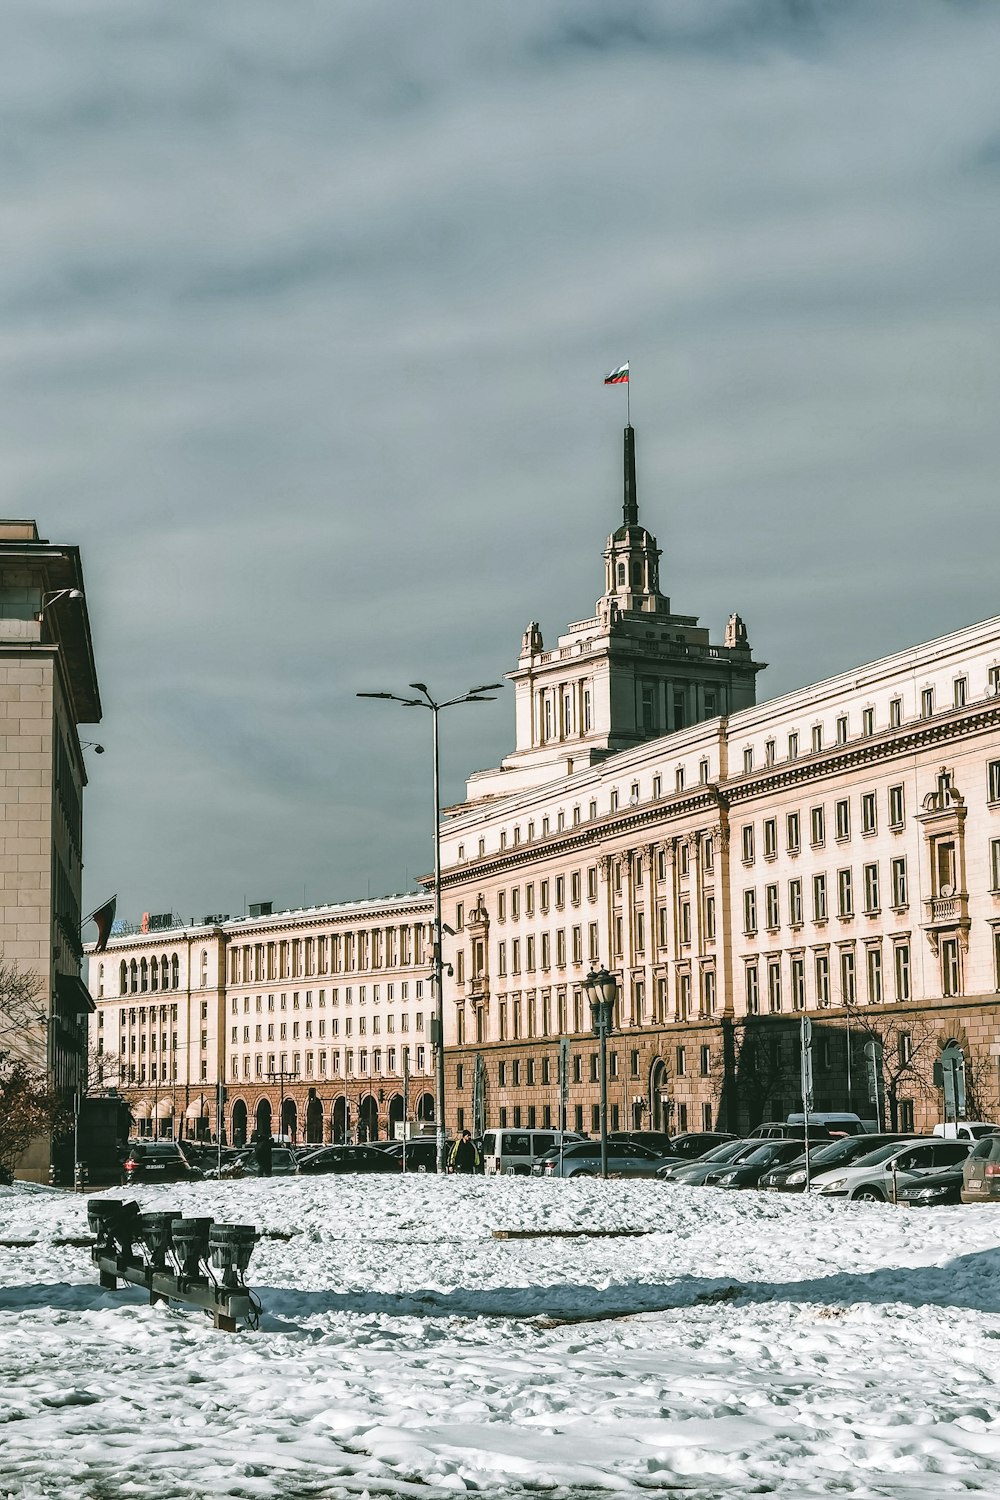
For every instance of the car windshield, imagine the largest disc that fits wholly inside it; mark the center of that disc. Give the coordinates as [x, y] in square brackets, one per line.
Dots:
[875, 1158]
[726, 1152]
[765, 1153]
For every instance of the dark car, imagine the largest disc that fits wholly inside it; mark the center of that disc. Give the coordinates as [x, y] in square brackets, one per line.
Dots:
[284, 1163]
[347, 1159]
[654, 1140]
[941, 1186]
[694, 1144]
[982, 1171]
[693, 1173]
[791, 1177]
[157, 1161]
[748, 1170]
[420, 1155]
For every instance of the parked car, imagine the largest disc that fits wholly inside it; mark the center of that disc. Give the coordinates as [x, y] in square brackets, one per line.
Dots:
[902, 1162]
[747, 1171]
[514, 1152]
[347, 1159]
[656, 1140]
[583, 1159]
[791, 1177]
[944, 1185]
[981, 1171]
[965, 1130]
[157, 1161]
[695, 1143]
[781, 1130]
[284, 1163]
[836, 1122]
[421, 1154]
[693, 1173]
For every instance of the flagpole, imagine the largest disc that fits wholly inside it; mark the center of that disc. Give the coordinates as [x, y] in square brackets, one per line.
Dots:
[628, 397]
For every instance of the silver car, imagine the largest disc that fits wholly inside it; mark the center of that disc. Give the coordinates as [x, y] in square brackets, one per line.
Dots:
[583, 1159]
[899, 1164]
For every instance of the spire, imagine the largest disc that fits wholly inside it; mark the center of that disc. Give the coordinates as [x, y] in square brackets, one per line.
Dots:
[631, 500]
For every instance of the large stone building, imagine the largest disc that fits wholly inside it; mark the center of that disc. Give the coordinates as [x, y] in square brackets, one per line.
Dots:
[835, 851]
[317, 1021]
[48, 686]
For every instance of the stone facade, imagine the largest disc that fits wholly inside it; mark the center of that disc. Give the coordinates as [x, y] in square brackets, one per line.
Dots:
[308, 1017]
[48, 686]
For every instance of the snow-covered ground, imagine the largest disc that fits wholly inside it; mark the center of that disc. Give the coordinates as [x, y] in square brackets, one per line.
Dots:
[748, 1345]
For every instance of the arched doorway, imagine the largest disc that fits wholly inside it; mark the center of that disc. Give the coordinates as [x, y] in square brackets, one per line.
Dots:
[314, 1122]
[263, 1118]
[425, 1108]
[239, 1122]
[368, 1119]
[659, 1096]
[340, 1120]
[289, 1119]
[395, 1114]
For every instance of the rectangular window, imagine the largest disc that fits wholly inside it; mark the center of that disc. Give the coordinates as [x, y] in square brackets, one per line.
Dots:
[708, 990]
[872, 904]
[792, 834]
[993, 781]
[710, 919]
[793, 747]
[748, 841]
[795, 903]
[752, 989]
[819, 898]
[705, 1061]
[951, 976]
[750, 911]
[869, 813]
[798, 978]
[961, 691]
[897, 811]
[774, 984]
[845, 893]
[817, 738]
[771, 906]
[842, 729]
[874, 966]
[770, 838]
[895, 713]
[867, 721]
[901, 963]
[681, 1062]
[899, 892]
[995, 864]
[823, 979]
[842, 813]
[748, 760]
[927, 703]
[817, 826]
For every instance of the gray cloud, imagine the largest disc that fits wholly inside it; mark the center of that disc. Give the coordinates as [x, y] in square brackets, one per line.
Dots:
[306, 309]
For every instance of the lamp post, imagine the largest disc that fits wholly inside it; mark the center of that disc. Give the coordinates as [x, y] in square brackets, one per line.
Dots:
[52, 597]
[280, 1076]
[602, 992]
[474, 695]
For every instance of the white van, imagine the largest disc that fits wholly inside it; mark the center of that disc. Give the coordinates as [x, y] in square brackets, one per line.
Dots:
[965, 1130]
[512, 1152]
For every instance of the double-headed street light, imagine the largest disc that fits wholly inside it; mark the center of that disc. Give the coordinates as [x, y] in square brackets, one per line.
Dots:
[602, 992]
[474, 695]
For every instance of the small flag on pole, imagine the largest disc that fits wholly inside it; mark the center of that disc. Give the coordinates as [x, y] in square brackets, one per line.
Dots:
[104, 916]
[619, 376]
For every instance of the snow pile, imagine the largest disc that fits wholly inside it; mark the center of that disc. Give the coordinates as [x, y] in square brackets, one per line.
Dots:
[741, 1344]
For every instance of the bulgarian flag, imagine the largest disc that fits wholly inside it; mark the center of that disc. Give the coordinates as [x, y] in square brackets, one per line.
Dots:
[619, 376]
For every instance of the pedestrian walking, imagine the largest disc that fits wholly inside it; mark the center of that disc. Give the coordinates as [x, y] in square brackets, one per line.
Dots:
[263, 1152]
[465, 1156]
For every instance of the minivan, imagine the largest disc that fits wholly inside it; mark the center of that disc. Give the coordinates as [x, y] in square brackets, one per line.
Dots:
[512, 1152]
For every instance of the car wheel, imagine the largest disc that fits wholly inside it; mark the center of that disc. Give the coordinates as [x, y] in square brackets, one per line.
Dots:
[870, 1194]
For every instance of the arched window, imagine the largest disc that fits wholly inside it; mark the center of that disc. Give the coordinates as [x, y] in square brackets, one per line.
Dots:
[204, 968]
[133, 976]
[175, 973]
[154, 974]
[123, 978]
[621, 575]
[164, 973]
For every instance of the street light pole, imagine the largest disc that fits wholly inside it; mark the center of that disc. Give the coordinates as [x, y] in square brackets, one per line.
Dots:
[602, 991]
[474, 695]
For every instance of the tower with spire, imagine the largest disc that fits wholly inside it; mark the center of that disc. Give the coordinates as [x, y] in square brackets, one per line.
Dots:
[632, 672]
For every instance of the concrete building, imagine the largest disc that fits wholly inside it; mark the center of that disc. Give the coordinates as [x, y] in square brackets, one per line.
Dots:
[317, 1021]
[834, 852]
[48, 686]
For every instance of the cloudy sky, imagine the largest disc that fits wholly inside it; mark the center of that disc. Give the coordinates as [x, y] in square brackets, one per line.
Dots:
[305, 309]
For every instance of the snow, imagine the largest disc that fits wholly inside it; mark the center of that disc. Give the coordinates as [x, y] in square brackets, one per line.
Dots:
[745, 1344]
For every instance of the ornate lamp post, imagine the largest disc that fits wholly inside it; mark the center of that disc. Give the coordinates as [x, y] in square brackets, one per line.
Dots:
[474, 695]
[602, 992]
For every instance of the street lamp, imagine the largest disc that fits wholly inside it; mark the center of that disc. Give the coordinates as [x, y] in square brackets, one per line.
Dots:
[474, 695]
[52, 597]
[602, 992]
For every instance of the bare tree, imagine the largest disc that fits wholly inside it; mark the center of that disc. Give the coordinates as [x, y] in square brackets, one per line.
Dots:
[29, 1106]
[905, 1046]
